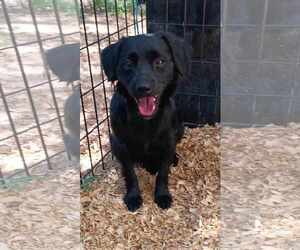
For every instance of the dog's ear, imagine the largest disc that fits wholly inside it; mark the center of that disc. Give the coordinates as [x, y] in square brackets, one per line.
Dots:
[181, 52]
[110, 59]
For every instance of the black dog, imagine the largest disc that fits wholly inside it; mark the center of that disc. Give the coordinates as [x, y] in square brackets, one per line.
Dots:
[143, 115]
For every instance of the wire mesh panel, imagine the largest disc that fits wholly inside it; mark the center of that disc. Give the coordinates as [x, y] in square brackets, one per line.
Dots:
[198, 22]
[103, 22]
[32, 129]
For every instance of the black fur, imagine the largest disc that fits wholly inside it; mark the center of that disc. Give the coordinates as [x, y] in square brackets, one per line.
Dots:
[155, 62]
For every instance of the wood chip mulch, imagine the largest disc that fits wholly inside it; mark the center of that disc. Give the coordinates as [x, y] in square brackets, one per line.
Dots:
[191, 223]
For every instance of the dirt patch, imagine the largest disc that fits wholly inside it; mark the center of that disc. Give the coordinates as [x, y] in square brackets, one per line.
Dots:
[42, 213]
[260, 188]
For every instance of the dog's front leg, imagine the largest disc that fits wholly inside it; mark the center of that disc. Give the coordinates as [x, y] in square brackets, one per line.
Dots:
[162, 196]
[132, 199]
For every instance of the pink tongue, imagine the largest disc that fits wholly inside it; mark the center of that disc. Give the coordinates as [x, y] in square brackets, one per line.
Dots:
[146, 105]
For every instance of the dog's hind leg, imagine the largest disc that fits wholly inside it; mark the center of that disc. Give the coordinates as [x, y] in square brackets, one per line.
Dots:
[175, 160]
[179, 132]
[132, 198]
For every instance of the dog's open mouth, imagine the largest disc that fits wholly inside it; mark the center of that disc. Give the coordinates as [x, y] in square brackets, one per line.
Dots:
[147, 106]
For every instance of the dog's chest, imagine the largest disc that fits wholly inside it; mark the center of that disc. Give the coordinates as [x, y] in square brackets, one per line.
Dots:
[145, 142]
[147, 150]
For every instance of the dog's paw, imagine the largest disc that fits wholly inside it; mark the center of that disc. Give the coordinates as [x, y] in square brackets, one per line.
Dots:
[133, 202]
[164, 201]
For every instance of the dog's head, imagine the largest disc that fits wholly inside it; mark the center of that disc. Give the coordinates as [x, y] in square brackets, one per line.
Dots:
[146, 65]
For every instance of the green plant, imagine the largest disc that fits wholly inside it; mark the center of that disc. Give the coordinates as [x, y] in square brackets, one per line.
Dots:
[112, 4]
[86, 184]
[42, 4]
[18, 183]
[62, 5]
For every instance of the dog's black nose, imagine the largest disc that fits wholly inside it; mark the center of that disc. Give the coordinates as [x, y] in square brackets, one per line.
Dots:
[143, 89]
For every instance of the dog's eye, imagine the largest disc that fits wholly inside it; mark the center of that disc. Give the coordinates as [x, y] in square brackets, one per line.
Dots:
[128, 64]
[159, 62]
